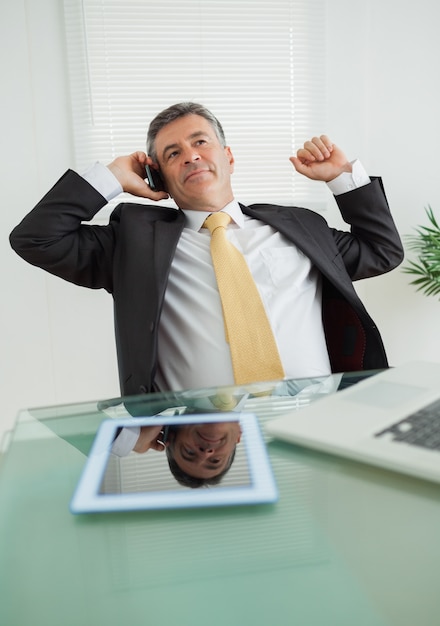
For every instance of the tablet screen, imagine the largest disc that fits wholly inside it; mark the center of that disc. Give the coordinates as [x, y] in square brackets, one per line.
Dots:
[176, 462]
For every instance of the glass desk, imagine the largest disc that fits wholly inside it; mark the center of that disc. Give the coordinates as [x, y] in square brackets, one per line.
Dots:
[345, 544]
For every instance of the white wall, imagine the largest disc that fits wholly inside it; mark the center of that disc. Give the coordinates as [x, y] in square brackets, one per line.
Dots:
[57, 341]
[386, 84]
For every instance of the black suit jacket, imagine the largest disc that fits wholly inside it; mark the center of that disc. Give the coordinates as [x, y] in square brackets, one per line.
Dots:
[132, 255]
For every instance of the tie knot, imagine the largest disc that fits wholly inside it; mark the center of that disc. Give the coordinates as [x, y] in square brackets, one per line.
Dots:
[216, 220]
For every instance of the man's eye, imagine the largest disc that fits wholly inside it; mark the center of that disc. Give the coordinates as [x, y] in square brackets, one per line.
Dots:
[188, 451]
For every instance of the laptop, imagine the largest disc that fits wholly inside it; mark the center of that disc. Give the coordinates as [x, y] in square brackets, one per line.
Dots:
[391, 419]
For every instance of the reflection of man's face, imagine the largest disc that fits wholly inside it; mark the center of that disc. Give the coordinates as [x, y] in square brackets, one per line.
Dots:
[204, 450]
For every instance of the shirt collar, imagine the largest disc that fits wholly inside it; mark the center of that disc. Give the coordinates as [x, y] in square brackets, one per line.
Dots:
[195, 219]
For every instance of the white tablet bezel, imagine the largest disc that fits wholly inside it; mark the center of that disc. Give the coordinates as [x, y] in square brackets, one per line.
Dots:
[261, 488]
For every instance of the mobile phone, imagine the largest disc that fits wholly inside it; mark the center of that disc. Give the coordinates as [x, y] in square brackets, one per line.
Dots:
[155, 179]
[165, 431]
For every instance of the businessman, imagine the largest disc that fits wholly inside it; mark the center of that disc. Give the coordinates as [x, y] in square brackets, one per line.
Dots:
[156, 262]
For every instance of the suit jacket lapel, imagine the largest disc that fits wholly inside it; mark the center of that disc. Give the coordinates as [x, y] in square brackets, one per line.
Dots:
[166, 231]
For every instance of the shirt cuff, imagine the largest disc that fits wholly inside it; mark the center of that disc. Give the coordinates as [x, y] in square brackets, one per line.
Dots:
[347, 181]
[101, 178]
[126, 441]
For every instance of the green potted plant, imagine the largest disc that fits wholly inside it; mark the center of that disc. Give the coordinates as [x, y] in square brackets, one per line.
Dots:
[426, 244]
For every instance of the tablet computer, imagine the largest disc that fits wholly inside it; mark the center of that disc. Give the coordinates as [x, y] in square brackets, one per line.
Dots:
[178, 461]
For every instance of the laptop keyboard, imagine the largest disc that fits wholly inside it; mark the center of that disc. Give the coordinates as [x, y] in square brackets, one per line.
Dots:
[419, 429]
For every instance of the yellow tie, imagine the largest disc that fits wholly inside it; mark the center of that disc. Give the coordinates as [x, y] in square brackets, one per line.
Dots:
[253, 349]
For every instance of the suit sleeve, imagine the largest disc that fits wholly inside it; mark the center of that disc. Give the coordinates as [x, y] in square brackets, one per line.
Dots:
[53, 237]
[373, 245]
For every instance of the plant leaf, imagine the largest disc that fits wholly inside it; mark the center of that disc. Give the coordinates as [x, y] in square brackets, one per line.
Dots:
[426, 244]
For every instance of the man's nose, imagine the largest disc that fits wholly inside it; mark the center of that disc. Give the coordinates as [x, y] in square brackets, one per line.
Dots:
[206, 449]
[190, 156]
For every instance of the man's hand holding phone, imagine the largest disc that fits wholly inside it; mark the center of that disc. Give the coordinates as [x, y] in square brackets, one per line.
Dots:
[154, 178]
[150, 438]
[131, 173]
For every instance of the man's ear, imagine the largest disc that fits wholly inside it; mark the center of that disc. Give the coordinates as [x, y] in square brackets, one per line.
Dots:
[230, 158]
[239, 436]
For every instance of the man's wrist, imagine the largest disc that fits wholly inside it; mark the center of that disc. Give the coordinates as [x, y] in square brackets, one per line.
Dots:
[347, 181]
[126, 441]
[102, 179]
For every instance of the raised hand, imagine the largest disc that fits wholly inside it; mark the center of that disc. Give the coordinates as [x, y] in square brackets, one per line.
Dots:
[130, 172]
[150, 439]
[320, 159]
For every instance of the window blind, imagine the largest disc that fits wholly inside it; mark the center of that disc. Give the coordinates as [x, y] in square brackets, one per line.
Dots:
[259, 65]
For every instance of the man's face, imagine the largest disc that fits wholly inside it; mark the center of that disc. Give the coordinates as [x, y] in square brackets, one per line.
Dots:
[196, 168]
[204, 450]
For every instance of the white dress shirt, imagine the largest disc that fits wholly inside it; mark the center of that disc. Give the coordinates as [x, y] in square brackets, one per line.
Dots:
[126, 441]
[192, 348]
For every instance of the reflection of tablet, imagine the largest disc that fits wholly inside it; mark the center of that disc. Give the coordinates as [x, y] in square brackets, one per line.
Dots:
[139, 481]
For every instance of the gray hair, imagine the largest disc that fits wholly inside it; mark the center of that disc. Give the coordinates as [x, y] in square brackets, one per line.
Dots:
[173, 113]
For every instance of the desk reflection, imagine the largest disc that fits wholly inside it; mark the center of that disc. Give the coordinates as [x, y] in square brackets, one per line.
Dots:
[168, 463]
[189, 455]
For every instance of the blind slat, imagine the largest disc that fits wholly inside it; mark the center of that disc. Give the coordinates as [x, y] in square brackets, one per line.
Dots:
[258, 65]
